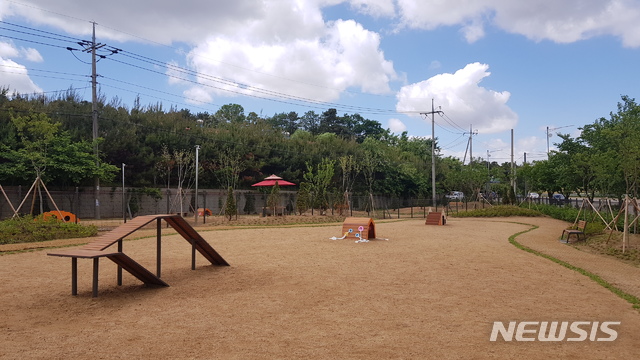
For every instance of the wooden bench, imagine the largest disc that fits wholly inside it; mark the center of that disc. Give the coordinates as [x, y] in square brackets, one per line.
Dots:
[579, 230]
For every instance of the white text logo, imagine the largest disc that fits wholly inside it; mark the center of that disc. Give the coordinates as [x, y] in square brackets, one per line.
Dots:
[555, 331]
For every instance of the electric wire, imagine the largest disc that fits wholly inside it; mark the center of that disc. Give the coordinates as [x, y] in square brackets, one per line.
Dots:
[259, 93]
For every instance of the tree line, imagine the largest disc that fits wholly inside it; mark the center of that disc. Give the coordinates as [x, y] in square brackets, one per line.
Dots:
[51, 136]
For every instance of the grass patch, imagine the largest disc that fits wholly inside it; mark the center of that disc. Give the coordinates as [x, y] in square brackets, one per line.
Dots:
[633, 300]
[29, 229]
[601, 244]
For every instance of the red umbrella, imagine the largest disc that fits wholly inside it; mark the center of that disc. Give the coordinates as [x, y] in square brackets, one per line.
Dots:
[272, 180]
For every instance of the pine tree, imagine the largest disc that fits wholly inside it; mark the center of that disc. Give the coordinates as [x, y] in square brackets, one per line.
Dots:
[230, 207]
[274, 198]
[304, 198]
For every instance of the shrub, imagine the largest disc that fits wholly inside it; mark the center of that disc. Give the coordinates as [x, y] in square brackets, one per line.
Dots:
[30, 229]
[499, 211]
[230, 208]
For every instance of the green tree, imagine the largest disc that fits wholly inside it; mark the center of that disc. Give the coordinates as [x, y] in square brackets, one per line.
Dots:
[273, 200]
[303, 200]
[319, 178]
[230, 208]
[230, 113]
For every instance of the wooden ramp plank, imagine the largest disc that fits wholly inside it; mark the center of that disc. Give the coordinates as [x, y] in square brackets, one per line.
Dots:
[122, 231]
[136, 269]
[190, 234]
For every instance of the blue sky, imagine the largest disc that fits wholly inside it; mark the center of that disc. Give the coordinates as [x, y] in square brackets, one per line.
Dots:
[494, 65]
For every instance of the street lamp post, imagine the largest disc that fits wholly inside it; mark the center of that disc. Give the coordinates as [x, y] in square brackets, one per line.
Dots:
[488, 168]
[550, 135]
[124, 206]
[196, 200]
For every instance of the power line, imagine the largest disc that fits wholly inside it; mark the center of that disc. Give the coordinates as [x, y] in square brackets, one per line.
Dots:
[45, 10]
[260, 93]
[268, 93]
[451, 122]
[53, 36]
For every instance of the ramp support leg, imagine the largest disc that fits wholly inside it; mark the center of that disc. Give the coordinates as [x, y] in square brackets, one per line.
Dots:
[193, 254]
[119, 267]
[74, 276]
[95, 277]
[159, 247]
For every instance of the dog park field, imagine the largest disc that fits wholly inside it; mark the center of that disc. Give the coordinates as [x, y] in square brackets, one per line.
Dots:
[292, 293]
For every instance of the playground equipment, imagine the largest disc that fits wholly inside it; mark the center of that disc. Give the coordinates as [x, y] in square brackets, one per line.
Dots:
[435, 218]
[99, 248]
[360, 229]
[204, 212]
[64, 216]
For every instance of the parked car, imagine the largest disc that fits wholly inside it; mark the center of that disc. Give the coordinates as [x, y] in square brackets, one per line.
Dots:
[557, 199]
[455, 195]
[533, 195]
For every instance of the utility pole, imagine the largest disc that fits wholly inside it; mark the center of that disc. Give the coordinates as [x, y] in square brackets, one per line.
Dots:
[94, 115]
[470, 144]
[513, 167]
[433, 151]
[92, 47]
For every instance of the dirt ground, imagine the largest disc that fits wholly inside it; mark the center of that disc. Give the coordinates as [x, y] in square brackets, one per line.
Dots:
[292, 293]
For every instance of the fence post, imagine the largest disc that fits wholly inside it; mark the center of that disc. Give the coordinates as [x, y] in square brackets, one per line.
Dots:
[411, 205]
[168, 196]
[204, 206]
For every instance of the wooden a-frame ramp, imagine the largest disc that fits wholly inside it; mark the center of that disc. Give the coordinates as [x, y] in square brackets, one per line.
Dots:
[98, 248]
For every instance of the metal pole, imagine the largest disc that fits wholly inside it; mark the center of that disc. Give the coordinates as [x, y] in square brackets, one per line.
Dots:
[470, 144]
[196, 201]
[547, 143]
[124, 206]
[513, 167]
[433, 155]
[94, 113]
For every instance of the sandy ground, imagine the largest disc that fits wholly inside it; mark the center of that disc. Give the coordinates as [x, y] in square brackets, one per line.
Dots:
[427, 292]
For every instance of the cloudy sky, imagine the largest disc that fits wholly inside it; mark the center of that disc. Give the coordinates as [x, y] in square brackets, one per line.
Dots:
[489, 65]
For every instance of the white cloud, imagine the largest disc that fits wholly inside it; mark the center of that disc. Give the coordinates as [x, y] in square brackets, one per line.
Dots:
[8, 50]
[197, 96]
[32, 54]
[16, 78]
[462, 100]
[284, 46]
[174, 74]
[375, 8]
[558, 21]
[161, 21]
[434, 65]
[397, 126]
[334, 57]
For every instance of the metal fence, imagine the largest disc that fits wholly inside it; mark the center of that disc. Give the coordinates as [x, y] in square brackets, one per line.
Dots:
[112, 203]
